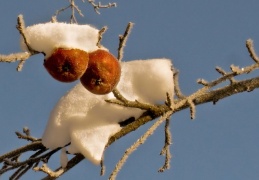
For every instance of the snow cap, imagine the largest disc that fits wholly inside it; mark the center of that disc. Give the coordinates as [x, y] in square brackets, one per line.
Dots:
[49, 36]
[87, 121]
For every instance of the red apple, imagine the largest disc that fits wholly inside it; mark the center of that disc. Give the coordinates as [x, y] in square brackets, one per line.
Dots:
[67, 65]
[103, 72]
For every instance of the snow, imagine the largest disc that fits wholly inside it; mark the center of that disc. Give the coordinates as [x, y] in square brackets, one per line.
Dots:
[87, 121]
[63, 158]
[48, 36]
[84, 119]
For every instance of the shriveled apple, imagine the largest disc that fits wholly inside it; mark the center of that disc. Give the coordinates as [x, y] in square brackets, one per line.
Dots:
[67, 65]
[103, 72]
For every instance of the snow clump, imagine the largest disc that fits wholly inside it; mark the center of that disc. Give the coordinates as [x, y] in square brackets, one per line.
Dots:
[87, 121]
[49, 36]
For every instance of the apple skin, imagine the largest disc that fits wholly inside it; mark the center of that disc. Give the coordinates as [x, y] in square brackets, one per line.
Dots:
[67, 65]
[103, 72]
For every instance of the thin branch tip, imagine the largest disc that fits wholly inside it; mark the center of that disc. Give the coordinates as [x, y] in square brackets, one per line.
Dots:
[251, 50]
[122, 41]
[100, 36]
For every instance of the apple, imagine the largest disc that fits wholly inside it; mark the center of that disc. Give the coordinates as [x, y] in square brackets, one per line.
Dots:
[67, 65]
[103, 72]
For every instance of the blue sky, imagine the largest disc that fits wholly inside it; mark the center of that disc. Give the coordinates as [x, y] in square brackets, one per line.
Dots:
[221, 143]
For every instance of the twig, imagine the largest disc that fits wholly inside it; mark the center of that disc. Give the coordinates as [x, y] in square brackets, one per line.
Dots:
[102, 167]
[169, 101]
[23, 171]
[166, 149]
[203, 82]
[236, 69]
[223, 73]
[44, 168]
[73, 8]
[250, 48]
[19, 56]
[177, 89]
[59, 171]
[31, 160]
[123, 39]
[17, 172]
[26, 137]
[120, 100]
[15, 57]
[101, 32]
[192, 108]
[29, 147]
[140, 141]
[99, 5]
[20, 27]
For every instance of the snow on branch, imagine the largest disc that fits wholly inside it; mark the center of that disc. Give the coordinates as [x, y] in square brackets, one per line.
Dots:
[203, 95]
[150, 112]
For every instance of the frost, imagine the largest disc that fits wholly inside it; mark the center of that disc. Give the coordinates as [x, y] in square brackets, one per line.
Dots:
[87, 121]
[46, 37]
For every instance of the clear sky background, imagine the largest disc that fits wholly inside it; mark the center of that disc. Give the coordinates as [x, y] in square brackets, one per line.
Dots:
[221, 143]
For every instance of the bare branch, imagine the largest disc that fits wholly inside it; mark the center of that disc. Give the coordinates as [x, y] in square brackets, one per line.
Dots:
[169, 101]
[166, 149]
[19, 56]
[123, 39]
[26, 137]
[120, 100]
[22, 171]
[102, 168]
[236, 69]
[202, 81]
[177, 89]
[44, 168]
[101, 32]
[140, 141]
[59, 171]
[21, 27]
[192, 108]
[99, 5]
[15, 57]
[223, 73]
[74, 8]
[29, 147]
[250, 48]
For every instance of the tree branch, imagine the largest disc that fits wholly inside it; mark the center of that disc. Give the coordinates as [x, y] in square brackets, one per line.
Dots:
[99, 5]
[123, 39]
[172, 105]
[22, 56]
[134, 146]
